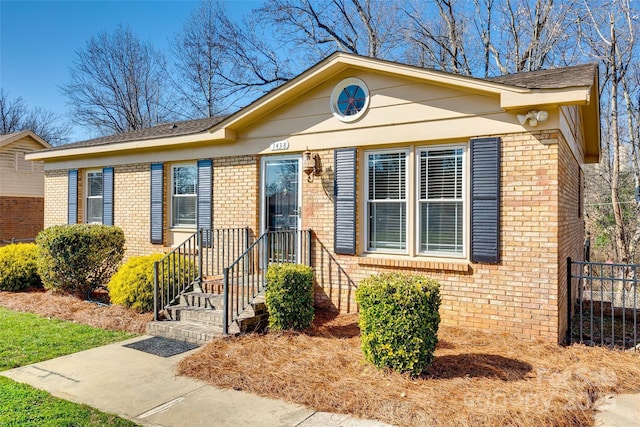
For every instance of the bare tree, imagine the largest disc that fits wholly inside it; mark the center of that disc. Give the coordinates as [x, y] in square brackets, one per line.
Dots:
[530, 37]
[632, 84]
[222, 63]
[609, 34]
[118, 84]
[12, 113]
[15, 116]
[440, 35]
[198, 50]
[365, 27]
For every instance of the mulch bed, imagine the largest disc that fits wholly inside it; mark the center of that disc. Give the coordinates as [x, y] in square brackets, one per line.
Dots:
[66, 307]
[476, 378]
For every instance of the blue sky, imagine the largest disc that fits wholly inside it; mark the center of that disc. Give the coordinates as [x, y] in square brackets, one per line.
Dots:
[38, 39]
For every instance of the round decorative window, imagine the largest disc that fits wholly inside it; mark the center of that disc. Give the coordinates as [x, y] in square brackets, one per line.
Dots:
[349, 99]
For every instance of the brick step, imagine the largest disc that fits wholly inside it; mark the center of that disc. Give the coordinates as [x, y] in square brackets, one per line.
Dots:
[205, 316]
[190, 332]
[202, 300]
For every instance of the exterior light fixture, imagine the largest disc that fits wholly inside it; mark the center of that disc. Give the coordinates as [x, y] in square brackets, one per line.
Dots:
[533, 116]
[311, 165]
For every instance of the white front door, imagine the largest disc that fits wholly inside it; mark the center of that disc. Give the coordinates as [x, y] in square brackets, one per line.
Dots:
[281, 200]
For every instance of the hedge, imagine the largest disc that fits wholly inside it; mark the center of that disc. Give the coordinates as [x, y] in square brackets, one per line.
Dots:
[79, 258]
[399, 321]
[18, 267]
[289, 296]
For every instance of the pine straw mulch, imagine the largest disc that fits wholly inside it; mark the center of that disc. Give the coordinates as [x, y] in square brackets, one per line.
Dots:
[65, 307]
[476, 378]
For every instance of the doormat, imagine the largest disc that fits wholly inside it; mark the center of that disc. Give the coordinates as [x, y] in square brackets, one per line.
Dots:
[160, 346]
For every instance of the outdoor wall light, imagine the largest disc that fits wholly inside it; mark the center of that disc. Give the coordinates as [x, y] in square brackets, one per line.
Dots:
[534, 116]
[311, 165]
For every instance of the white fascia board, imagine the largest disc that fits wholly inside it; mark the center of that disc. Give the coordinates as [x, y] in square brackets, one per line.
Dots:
[567, 96]
[220, 135]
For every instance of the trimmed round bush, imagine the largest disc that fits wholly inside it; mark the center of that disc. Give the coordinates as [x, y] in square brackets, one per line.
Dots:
[18, 267]
[79, 258]
[132, 285]
[399, 321]
[289, 296]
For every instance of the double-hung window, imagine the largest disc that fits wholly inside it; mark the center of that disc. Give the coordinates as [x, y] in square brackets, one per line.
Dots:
[386, 193]
[184, 191]
[441, 201]
[95, 191]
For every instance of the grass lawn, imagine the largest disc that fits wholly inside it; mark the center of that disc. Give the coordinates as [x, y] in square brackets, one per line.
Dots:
[26, 338]
[22, 405]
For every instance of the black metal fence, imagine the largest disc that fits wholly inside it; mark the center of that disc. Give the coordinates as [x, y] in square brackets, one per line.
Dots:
[606, 307]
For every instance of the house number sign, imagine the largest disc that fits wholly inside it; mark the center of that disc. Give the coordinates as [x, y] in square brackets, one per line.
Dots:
[280, 145]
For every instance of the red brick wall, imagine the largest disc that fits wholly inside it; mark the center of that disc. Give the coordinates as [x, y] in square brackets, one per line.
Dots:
[21, 217]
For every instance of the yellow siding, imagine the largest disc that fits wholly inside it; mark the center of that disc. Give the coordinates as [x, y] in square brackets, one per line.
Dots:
[20, 177]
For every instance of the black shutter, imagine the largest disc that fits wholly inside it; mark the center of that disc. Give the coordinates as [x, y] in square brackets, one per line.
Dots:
[204, 193]
[345, 201]
[107, 196]
[485, 200]
[72, 197]
[205, 189]
[157, 203]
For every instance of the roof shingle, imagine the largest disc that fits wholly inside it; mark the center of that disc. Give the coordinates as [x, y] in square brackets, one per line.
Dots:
[557, 78]
[186, 127]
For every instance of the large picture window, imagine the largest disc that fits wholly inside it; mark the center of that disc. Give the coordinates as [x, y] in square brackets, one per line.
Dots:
[440, 201]
[184, 190]
[386, 181]
[95, 191]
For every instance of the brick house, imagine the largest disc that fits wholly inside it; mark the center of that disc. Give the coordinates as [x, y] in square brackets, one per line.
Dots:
[474, 182]
[21, 187]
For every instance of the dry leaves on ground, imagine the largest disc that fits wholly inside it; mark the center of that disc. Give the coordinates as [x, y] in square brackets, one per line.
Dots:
[476, 378]
[66, 307]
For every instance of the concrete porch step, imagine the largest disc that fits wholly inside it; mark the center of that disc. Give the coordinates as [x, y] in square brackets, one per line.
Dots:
[198, 318]
[194, 333]
[202, 300]
[205, 316]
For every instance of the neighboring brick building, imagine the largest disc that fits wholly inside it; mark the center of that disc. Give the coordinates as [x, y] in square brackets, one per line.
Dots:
[21, 187]
[476, 183]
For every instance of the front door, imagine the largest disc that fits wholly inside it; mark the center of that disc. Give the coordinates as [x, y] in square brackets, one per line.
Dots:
[281, 206]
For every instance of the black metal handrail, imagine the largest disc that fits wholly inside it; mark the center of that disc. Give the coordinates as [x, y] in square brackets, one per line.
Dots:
[205, 253]
[244, 279]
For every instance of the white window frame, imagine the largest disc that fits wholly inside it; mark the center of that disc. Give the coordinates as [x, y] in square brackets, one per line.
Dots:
[172, 195]
[464, 199]
[88, 197]
[367, 201]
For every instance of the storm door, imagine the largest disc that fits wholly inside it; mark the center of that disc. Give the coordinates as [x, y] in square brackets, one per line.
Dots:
[281, 198]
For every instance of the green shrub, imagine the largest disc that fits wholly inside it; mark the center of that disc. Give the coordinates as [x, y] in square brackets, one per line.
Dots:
[79, 258]
[132, 285]
[18, 267]
[399, 321]
[289, 296]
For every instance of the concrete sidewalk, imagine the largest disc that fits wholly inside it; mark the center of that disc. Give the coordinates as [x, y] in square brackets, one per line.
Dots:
[618, 411]
[143, 388]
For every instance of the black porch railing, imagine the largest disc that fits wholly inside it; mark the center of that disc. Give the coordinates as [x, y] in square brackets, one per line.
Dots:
[244, 279]
[205, 253]
[607, 304]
